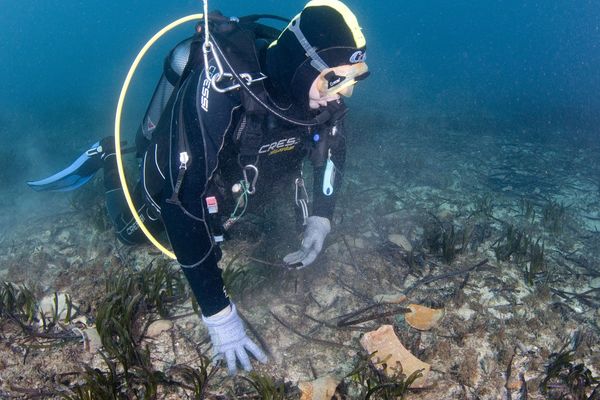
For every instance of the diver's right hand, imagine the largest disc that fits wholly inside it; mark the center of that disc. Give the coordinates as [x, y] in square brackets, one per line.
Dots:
[230, 341]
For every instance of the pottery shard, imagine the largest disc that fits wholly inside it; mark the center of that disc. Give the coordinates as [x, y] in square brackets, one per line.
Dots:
[158, 327]
[394, 298]
[319, 389]
[397, 358]
[423, 318]
[400, 240]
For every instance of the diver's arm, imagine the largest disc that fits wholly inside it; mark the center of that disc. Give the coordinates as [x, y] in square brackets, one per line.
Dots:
[327, 156]
[197, 137]
[198, 257]
[331, 149]
[196, 253]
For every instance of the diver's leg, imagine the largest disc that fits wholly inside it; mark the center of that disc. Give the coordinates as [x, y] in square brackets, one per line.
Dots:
[197, 254]
[128, 230]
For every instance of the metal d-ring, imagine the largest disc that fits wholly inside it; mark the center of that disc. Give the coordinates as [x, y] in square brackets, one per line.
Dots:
[251, 186]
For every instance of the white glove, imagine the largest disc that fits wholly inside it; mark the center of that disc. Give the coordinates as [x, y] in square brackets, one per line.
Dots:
[317, 228]
[229, 340]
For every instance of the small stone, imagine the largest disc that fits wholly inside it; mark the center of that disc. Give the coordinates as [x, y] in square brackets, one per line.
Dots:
[190, 325]
[158, 327]
[445, 215]
[513, 384]
[51, 302]
[322, 388]
[393, 298]
[93, 343]
[400, 240]
[359, 243]
[64, 236]
[81, 319]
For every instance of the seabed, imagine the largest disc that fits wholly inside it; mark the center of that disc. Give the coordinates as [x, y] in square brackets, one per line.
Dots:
[498, 227]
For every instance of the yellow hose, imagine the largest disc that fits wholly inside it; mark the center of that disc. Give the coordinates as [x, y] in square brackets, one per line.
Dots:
[124, 89]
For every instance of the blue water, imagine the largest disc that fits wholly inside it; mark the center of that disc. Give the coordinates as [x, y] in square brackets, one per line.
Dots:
[514, 57]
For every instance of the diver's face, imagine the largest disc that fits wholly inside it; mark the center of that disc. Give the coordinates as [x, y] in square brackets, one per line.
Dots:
[318, 95]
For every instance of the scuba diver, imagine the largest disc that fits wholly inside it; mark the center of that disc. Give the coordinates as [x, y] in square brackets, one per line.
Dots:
[236, 111]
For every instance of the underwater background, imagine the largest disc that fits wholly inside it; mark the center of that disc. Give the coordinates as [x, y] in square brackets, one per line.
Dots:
[480, 123]
[531, 63]
[528, 60]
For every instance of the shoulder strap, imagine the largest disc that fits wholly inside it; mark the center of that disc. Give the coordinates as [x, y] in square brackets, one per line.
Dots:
[237, 39]
[260, 30]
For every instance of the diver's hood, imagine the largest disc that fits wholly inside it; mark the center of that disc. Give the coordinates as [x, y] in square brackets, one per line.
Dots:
[324, 35]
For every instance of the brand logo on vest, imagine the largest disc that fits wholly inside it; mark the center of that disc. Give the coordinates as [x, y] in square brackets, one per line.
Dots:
[134, 227]
[358, 56]
[205, 92]
[279, 146]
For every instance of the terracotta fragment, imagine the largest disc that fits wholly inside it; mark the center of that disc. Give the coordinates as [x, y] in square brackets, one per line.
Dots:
[319, 389]
[397, 358]
[423, 318]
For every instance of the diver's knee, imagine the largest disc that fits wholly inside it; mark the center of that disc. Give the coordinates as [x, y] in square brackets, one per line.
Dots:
[131, 234]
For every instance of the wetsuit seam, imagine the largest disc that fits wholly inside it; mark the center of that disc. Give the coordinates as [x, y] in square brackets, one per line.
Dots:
[179, 130]
[171, 138]
[149, 216]
[156, 161]
[202, 131]
[197, 263]
[148, 195]
[222, 145]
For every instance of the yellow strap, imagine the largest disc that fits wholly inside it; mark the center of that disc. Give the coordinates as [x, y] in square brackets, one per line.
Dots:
[124, 89]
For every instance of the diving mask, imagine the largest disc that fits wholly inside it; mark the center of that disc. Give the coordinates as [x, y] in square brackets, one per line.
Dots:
[330, 83]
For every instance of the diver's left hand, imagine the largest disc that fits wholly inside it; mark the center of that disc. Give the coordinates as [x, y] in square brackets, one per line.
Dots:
[317, 229]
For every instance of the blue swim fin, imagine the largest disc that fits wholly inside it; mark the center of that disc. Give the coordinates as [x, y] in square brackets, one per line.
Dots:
[76, 174]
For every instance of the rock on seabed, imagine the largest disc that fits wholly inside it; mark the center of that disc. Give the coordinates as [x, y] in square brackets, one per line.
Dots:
[158, 327]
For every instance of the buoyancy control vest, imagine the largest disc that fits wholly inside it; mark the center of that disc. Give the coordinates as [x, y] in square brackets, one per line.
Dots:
[237, 40]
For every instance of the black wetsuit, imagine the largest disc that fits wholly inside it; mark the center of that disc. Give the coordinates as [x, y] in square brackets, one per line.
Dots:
[213, 124]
